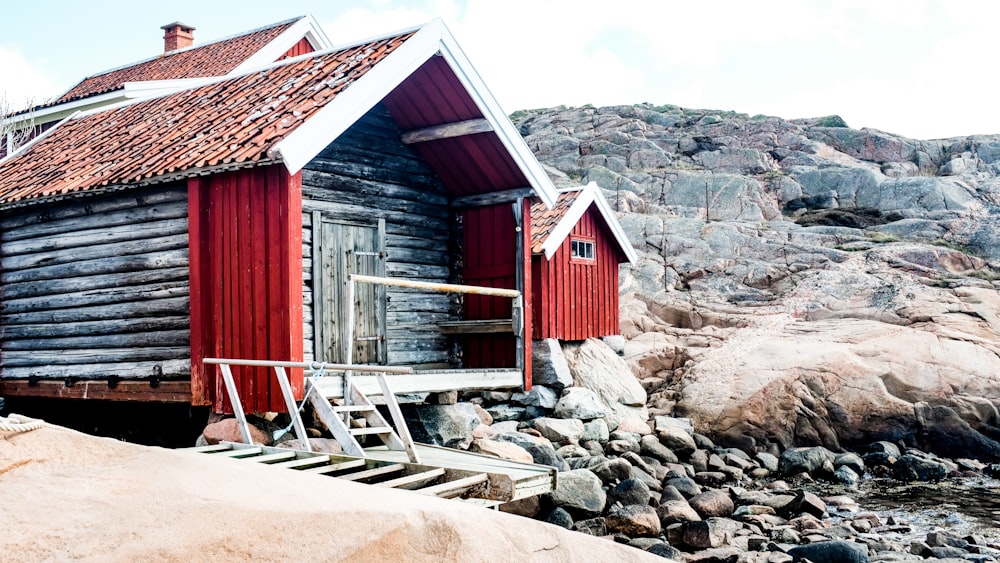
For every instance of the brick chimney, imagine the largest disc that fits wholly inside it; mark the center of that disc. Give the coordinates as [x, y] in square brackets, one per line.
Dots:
[177, 36]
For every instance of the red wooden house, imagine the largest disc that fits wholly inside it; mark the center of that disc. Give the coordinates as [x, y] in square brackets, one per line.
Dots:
[223, 216]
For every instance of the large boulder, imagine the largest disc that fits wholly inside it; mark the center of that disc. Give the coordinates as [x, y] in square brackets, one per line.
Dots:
[596, 367]
[445, 425]
[579, 491]
[548, 365]
[580, 403]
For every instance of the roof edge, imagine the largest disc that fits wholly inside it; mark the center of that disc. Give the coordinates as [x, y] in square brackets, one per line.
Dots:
[309, 138]
[589, 194]
[305, 27]
[154, 57]
[509, 136]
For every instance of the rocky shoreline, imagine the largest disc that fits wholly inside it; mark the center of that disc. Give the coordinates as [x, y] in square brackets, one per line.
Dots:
[635, 476]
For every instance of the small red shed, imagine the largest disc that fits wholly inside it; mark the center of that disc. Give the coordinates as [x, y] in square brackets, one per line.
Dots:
[576, 247]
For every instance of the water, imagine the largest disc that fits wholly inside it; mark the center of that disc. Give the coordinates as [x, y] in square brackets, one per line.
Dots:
[961, 506]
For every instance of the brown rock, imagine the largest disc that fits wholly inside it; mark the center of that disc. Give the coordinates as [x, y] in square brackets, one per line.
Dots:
[633, 520]
[484, 416]
[502, 450]
[227, 430]
[714, 502]
[635, 426]
[529, 507]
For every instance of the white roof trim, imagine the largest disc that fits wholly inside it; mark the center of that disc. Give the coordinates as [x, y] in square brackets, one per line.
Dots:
[503, 127]
[303, 144]
[54, 112]
[589, 194]
[306, 27]
[37, 138]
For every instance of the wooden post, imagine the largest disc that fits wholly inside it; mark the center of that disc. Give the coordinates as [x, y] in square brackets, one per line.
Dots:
[518, 305]
[317, 285]
[526, 289]
[293, 410]
[234, 400]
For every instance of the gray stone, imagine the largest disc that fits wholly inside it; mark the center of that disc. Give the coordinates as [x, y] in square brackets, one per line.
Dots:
[596, 430]
[548, 365]
[538, 396]
[579, 492]
[836, 551]
[804, 460]
[580, 403]
[560, 518]
[677, 440]
[661, 422]
[651, 446]
[713, 532]
[598, 368]
[591, 527]
[505, 412]
[560, 430]
[851, 460]
[911, 467]
[613, 470]
[846, 475]
[727, 554]
[666, 551]
[673, 511]
[684, 485]
[445, 425]
[629, 491]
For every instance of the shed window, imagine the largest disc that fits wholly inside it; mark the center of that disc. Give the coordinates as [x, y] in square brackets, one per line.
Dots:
[582, 249]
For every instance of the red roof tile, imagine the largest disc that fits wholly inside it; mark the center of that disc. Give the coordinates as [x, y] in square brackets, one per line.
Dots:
[211, 59]
[544, 221]
[229, 122]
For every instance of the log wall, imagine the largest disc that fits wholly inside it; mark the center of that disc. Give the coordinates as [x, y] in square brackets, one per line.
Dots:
[96, 287]
[367, 174]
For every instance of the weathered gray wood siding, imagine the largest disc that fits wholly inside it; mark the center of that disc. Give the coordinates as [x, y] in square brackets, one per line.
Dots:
[367, 174]
[96, 286]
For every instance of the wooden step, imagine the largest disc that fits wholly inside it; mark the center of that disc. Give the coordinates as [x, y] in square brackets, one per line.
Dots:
[245, 452]
[304, 462]
[414, 481]
[384, 470]
[370, 430]
[337, 466]
[455, 488]
[353, 408]
[271, 458]
[211, 449]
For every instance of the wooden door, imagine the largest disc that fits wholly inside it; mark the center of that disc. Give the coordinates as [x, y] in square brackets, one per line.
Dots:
[341, 249]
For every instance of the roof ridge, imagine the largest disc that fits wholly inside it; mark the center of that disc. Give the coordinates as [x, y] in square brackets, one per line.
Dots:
[185, 50]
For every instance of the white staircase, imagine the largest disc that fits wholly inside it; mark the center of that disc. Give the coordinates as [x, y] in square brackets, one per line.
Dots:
[337, 417]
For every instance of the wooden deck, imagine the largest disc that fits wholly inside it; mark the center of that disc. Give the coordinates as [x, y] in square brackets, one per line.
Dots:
[425, 381]
[523, 479]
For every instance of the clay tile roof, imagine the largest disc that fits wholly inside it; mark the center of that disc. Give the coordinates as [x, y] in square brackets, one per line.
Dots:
[544, 221]
[211, 59]
[230, 122]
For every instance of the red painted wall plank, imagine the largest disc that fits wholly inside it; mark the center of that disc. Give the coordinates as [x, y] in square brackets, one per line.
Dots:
[576, 300]
[246, 288]
[488, 260]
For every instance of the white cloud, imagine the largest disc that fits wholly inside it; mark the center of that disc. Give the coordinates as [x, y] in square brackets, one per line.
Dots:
[22, 79]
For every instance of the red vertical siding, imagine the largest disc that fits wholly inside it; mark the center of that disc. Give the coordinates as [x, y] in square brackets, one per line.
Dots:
[488, 260]
[300, 48]
[246, 277]
[576, 299]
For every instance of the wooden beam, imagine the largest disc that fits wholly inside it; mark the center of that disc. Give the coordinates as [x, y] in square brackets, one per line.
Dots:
[164, 392]
[446, 131]
[477, 327]
[491, 198]
[434, 286]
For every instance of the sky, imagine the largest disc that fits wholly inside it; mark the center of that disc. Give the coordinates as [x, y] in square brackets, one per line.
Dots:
[919, 68]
